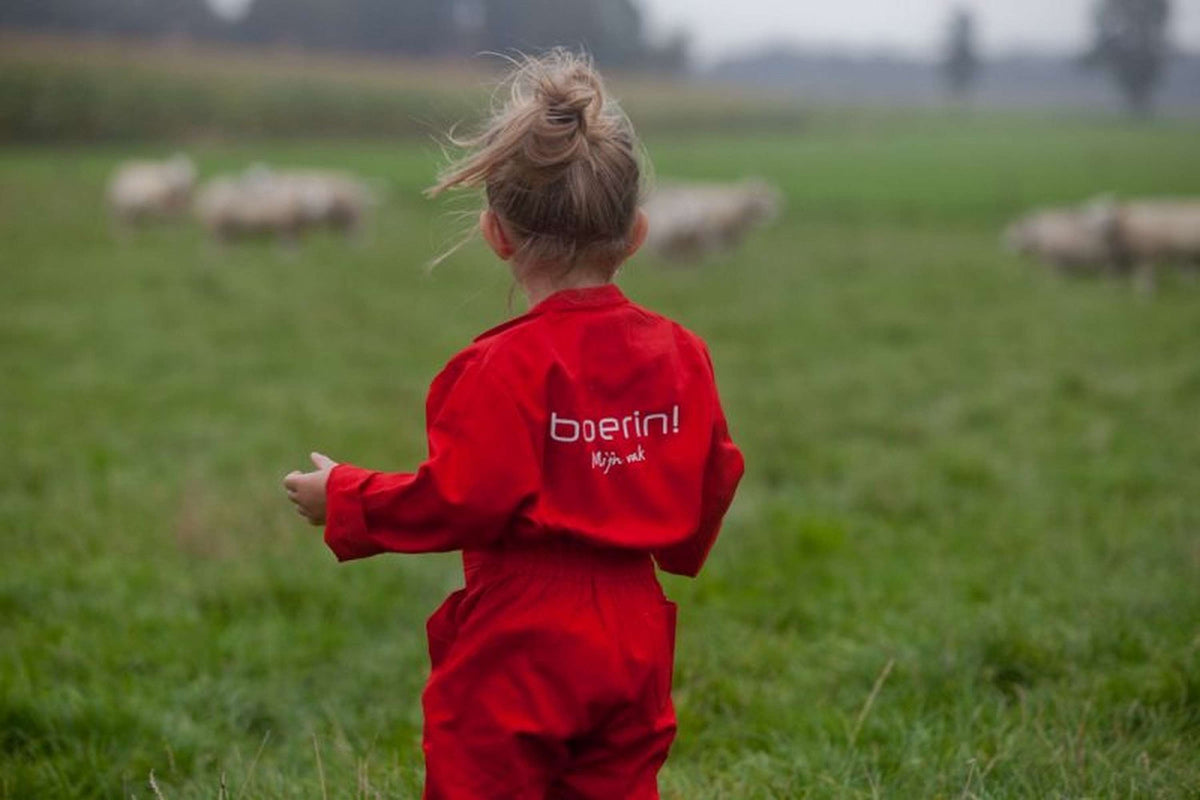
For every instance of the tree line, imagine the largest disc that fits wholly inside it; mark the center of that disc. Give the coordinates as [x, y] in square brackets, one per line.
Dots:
[612, 30]
[1129, 43]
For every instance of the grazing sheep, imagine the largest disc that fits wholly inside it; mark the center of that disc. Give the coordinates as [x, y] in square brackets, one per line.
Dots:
[1073, 240]
[688, 221]
[329, 198]
[251, 205]
[262, 202]
[1107, 235]
[140, 191]
[1148, 233]
[1157, 231]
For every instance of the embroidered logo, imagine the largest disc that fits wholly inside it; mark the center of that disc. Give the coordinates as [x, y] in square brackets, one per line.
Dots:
[607, 459]
[608, 429]
[633, 427]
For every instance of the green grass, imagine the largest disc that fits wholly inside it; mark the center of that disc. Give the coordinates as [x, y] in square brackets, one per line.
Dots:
[964, 561]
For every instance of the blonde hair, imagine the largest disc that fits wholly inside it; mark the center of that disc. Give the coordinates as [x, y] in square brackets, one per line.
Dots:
[558, 162]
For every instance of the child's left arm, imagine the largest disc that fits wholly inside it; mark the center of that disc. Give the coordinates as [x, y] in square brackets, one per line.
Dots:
[722, 472]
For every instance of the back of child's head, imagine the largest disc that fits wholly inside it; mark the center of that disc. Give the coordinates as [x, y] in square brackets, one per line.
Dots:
[559, 164]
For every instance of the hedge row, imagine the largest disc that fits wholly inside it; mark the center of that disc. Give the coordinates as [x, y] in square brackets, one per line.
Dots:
[64, 91]
[56, 102]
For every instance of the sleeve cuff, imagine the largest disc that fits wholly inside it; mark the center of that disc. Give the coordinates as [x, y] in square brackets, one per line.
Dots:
[345, 521]
[680, 560]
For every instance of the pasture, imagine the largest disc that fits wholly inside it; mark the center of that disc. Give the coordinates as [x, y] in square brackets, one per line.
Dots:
[964, 562]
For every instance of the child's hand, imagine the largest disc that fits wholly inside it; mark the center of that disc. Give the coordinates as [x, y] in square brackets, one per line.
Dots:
[307, 489]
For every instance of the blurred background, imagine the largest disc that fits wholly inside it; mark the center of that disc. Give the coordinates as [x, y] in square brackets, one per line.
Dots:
[84, 69]
[946, 257]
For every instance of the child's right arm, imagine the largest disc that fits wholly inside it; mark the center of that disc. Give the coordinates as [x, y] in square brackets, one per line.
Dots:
[481, 471]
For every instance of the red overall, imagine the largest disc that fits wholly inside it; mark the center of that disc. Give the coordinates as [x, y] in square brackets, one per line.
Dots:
[567, 448]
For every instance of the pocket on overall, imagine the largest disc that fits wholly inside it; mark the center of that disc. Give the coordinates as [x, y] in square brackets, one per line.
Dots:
[442, 627]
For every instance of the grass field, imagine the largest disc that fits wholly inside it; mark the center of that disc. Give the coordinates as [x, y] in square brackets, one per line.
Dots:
[965, 560]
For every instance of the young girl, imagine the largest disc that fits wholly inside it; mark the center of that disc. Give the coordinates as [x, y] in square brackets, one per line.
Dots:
[569, 449]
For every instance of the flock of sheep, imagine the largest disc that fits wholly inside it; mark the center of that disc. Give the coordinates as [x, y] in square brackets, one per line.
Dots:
[687, 220]
[258, 202]
[1105, 235]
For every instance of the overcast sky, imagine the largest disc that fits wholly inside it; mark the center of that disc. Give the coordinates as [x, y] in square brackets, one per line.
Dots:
[719, 27]
[722, 26]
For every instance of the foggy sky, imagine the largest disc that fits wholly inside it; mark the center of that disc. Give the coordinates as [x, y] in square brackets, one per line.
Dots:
[721, 26]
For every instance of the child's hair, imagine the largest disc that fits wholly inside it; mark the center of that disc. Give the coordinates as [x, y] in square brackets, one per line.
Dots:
[558, 162]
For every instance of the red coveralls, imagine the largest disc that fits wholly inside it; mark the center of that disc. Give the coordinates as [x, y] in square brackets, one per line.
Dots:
[566, 448]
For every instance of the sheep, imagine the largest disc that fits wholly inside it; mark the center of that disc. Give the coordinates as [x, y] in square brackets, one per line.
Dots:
[140, 191]
[689, 220]
[250, 205]
[284, 204]
[1073, 240]
[1147, 233]
[329, 198]
[1106, 235]
[1156, 231]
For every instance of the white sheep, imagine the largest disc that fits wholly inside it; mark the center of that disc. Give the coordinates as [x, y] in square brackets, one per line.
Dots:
[1104, 234]
[687, 221]
[151, 190]
[284, 204]
[1071, 239]
[333, 199]
[1160, 231]
[249, 205]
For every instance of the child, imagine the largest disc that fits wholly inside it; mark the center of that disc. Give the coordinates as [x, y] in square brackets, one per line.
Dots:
[567, 449]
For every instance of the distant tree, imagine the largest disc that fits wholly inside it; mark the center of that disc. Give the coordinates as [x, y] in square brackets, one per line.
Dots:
[420, 27]
[960, 61]
[413, 26]
[611, 30]
[136, 17]
[1131, 45]
[672, 54]
[309, 23]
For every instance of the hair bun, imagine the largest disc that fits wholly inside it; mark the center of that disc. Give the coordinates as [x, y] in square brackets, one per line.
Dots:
[558, 163]
[571, 96]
